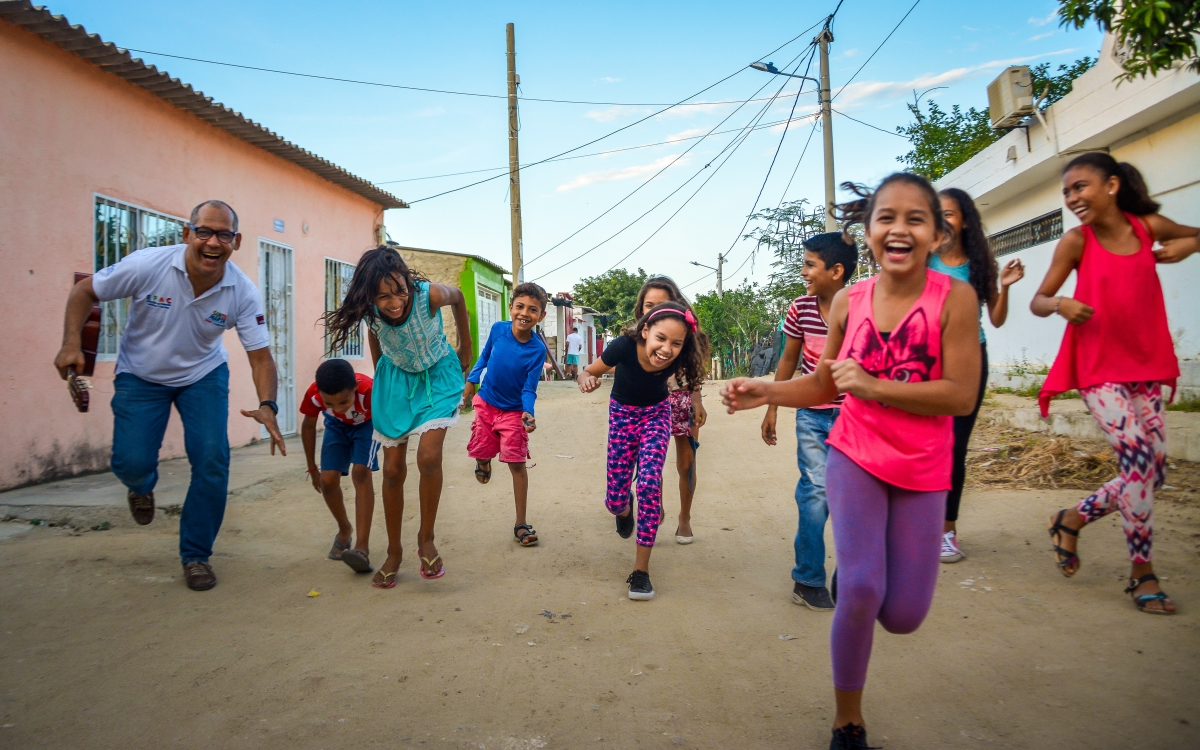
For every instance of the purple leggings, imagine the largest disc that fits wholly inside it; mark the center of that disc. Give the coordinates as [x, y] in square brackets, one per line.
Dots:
[638, 435]
[888, 545]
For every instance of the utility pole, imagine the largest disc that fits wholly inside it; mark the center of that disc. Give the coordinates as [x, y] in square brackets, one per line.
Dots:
[720, 275]
[514, 162]
[823, 39]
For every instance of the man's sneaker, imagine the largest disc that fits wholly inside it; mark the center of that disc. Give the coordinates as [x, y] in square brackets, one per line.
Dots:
[815, 598]
[199, 576]
[849, 737]
[950, 551]
[141, 507]
[640, 587]
[625, 523]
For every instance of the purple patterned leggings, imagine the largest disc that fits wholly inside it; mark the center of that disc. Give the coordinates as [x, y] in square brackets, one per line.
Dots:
[638, 436]
[1131, 417]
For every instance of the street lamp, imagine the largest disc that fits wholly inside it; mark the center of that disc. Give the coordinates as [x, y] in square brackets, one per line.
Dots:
[720, 273]
[823, 39]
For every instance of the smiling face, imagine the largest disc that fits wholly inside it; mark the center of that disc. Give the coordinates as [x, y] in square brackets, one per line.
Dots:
[392, 297]
[206, 258]
[654, 296]
[340, 403]
[820, 279]
[1088, 195]
[526, 312]
[662, 341]
[952, 215]
[902, 229]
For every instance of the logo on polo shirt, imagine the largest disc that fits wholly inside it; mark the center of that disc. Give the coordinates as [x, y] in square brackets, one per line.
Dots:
[260, 319]
[155, 300]
[217, 319]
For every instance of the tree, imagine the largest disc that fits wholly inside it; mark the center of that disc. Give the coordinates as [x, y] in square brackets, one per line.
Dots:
[614, 293]
[1153, 34]
[735, 322]
[943, 140]
[783, 231]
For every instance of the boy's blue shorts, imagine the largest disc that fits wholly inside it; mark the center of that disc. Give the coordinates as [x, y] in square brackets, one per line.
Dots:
[346, 444]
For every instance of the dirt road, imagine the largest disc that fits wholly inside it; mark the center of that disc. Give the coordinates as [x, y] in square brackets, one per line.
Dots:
[102, 646]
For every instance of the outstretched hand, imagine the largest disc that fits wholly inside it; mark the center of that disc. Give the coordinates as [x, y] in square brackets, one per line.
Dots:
[265, 417]
[740, 394]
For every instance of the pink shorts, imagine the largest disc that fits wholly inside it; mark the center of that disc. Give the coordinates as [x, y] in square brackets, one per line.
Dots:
[681, 413]
[496, 431]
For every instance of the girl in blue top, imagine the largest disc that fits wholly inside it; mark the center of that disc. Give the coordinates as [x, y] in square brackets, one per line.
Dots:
[966, 256]
[418, 385]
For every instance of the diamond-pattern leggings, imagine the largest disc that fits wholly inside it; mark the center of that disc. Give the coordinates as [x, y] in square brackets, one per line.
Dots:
[638, 436]
[1131, 417]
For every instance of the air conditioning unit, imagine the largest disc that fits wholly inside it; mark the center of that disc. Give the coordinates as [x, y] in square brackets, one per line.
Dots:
[1010, 97]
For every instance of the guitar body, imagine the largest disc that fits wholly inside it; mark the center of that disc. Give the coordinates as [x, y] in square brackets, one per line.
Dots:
[77, 383]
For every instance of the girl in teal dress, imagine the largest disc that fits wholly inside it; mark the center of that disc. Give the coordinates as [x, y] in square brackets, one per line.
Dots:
[418, 386]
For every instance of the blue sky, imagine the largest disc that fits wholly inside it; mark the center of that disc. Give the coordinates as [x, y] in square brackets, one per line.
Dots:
[612, 52]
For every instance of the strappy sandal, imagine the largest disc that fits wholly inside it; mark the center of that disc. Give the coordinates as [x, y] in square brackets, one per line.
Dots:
[483, 475]
[384, 580]
[1143, 599]
[522, 532]
[1065, 558]
[335, 552]
[441, 571]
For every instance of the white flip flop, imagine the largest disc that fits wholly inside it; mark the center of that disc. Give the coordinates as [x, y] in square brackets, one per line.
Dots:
[684, 539]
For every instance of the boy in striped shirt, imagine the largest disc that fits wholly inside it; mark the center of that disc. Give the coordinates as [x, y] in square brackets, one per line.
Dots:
[829, 262]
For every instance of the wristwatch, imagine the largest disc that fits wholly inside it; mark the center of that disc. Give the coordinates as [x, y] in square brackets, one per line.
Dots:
[274, 406]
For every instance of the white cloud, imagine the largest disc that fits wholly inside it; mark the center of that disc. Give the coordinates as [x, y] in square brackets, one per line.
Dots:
[697, 108]
[623, 173]
[686, 134]
[861, 92]
[1037, 37]
[797, 121]
[850, 53]
[430, 112]
[970, 28]
[1043, 21]
[608, 79]
[619, 110]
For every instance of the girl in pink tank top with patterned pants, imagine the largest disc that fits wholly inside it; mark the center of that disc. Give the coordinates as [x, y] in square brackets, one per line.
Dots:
[1117, 350]
[904, 348]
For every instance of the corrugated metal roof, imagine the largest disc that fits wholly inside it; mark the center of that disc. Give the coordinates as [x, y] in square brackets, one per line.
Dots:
[112, 59]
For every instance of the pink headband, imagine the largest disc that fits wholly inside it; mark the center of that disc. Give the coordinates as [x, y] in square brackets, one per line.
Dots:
[687, 316]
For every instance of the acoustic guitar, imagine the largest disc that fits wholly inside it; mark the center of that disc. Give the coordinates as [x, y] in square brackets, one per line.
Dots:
[78, 384]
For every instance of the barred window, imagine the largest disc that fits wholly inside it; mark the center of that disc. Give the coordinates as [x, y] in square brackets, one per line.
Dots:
[337, 282]
[1046, 228]
[121, 228]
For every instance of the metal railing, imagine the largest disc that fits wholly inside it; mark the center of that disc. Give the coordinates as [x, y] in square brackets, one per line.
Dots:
[1045, 228]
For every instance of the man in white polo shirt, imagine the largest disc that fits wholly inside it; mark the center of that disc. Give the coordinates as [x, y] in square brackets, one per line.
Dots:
[182, 299]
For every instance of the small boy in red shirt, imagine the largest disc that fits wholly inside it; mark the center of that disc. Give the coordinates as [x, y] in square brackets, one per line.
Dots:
[344, 396]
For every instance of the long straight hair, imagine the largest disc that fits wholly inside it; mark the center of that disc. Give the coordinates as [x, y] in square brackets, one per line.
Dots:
[378, 265]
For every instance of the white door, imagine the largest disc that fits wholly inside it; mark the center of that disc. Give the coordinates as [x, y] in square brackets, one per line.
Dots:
[487, 310]
[275, 282]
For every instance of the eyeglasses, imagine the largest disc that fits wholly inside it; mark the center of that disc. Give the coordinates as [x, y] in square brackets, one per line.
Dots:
[224, 236]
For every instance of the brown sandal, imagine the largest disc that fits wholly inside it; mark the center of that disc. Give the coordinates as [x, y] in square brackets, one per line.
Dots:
[1065, 558]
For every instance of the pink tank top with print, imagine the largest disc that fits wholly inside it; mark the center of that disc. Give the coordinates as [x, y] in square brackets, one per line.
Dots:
[907, 450]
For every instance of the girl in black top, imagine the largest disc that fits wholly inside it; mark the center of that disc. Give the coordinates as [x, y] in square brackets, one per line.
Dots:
[664, 343]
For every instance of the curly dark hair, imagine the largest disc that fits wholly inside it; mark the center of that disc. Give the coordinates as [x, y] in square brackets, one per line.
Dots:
[530, 289]
[376, 266]
[665, 283]
[691, 366]
[983, 271]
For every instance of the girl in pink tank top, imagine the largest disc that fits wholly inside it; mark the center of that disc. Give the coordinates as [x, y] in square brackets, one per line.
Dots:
[1117, 350]
[904, 348]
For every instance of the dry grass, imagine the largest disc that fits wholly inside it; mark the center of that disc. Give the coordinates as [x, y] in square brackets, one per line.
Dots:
[1041, 462]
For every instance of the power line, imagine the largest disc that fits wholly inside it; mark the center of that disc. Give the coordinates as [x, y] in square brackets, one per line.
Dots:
[745, 130]
[697, 281]
[869, 125]
[443, 91]
[647, 182]
[803, 151]
[889, 36]
[594, 153]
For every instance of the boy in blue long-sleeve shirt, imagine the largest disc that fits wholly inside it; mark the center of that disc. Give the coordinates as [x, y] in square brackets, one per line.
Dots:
[513, 358]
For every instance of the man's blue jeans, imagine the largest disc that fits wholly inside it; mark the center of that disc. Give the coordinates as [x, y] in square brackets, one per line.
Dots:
[812, 429]
[140, 413]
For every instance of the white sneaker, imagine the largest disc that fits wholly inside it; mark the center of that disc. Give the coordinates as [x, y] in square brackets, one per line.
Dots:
[950, 551]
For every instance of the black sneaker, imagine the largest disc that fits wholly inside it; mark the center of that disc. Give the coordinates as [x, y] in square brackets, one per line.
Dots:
[141, 507]
[815, 598]
[833, 587]
[625, 523]
[640, 588]
[849, 737]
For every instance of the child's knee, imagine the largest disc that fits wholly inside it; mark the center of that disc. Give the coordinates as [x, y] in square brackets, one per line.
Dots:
[331, 481]
[360, 474]
[903, 622]
[517, 467]
[859, 600]
[394, 472]
[429, 462]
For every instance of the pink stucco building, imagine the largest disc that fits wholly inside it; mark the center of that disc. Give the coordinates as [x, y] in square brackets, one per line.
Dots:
[101, 154]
